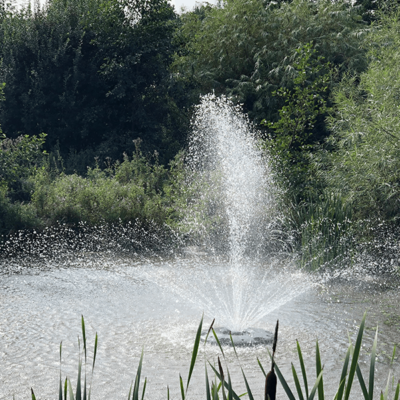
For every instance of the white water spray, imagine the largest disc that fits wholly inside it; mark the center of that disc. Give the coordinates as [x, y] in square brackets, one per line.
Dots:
[233, 203]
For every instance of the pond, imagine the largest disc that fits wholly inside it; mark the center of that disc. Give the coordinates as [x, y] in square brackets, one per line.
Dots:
[121, 299]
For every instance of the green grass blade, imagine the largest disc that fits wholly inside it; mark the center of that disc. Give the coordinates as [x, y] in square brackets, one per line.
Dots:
[71, 393]
[318, 365]
[60, 389]
[137, 380]
[261, 367]
[195, 351]
[230, 389]
[33, 395]
[218, 342]
[396, 395]
[385, 395]
[235, 396]
[284, 384]
[78, 384]
[247, 387]
[393, 355]
[297, 383]
[65, 388]
[344, 374]
[209, 330]
[221, 371]
[215, 391]
[207, 385]
[182, 388]
[316, 385]
[95, 351]
[84, 389]
[233, 345]
[303, 368]
[354, 360]
[362, 382]
[144, 388]
[372, 367]
[84, 336]
[130, 391]
[341, 388]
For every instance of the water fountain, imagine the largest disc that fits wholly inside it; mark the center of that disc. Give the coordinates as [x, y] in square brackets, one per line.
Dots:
[234, 209]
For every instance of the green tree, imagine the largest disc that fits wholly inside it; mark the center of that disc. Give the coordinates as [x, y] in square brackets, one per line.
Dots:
[94, 75]
[364, 166]
[293, 135]
[246, 48]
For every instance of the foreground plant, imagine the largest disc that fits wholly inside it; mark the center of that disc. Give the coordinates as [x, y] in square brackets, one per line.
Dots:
[222, 388]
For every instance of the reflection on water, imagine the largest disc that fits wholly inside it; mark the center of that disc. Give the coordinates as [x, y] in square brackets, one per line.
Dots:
[41, 306]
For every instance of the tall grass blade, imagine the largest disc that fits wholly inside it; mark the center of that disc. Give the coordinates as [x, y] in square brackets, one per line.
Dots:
[209, 330]
[84, 336]
[385, 395]
[297, 383]
[354, 360]
[60, 388]
[94, 361]
[84, 389]
[130, 391]
[318, 365]
[362, 382]
[195, 351]
[71, 393]
[182, 389]
[65, 388]
[396, 395]
[233, 345]
[230, 390]
[247, 387]
[372, 367]
[78, 385]
[221, 372]
[393, 355]
[33, 395]
[235, 396]
[144, 388]
[218, 342]
[275, 338]
[303, 368]
[207, 385]
[95, 351]
[214, 390]
[167, 392]
[344, 374]
[316, 385]
[135, 395]
[261, 367]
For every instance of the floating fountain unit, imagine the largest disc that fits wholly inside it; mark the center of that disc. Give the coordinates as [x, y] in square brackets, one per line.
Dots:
[246, 338]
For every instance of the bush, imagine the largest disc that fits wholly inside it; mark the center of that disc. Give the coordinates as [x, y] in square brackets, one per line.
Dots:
[135, 189]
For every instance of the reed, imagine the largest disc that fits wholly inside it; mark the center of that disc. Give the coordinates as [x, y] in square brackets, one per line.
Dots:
[221, 387]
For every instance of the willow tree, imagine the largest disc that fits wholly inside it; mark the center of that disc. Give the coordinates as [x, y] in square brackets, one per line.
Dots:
[364, 166]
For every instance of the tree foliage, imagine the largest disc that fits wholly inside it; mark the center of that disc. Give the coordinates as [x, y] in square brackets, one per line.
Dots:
[246, 48]
[363, 162]
[94, 75]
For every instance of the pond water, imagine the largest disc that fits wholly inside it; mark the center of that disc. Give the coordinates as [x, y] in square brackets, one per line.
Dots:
[41, 305]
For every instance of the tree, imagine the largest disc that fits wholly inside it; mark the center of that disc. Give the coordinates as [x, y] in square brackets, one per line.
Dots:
[94, 75]
[364, 164]
[246, 48]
